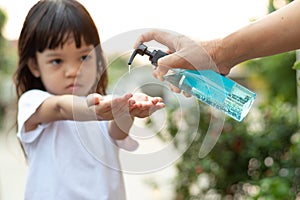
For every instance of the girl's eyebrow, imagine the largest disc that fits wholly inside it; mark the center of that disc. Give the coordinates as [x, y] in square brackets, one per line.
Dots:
[87, 50]
[55, 54]
[50, 54]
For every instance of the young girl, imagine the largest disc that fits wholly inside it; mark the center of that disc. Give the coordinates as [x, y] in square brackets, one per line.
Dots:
[60, 80]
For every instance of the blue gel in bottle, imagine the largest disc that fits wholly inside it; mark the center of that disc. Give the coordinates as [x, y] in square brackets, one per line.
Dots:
[215, 90]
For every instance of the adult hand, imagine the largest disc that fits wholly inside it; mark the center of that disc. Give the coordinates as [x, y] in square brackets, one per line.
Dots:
[184, 53]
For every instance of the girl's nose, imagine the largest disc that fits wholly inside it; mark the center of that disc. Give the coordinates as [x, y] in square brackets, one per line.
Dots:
[72, 70]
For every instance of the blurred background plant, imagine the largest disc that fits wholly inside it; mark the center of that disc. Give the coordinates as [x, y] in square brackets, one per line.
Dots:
[8, 59]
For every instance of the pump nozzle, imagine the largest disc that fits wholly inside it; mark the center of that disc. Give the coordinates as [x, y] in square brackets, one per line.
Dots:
[142, 50]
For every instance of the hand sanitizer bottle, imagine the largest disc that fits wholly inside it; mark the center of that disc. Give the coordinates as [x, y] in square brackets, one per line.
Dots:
[206, 85]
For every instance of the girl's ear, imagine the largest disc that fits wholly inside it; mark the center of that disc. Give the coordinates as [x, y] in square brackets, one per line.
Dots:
[33, 68]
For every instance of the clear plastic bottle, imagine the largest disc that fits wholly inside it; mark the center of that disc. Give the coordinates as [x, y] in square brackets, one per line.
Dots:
[206, 85]
[215, 90]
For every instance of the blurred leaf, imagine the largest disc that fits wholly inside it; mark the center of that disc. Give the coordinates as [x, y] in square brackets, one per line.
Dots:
[296, 65]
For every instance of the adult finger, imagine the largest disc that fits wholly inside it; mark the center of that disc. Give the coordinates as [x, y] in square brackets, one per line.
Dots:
[162, 37]
[174, 61]
[159, 72]
[174, 88]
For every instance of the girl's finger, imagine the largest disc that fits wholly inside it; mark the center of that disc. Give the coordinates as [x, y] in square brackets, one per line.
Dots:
[93, 99]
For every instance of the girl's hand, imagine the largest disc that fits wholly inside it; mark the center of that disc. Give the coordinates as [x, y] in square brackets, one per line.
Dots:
[105, 109]
[142, 105]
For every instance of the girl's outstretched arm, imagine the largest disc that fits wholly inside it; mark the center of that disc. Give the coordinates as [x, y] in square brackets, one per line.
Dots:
[71, 107]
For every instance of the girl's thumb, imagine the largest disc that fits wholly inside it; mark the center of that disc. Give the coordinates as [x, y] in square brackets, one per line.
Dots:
[93, 99]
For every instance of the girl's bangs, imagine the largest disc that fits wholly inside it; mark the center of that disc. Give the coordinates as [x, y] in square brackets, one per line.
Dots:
[63, 24]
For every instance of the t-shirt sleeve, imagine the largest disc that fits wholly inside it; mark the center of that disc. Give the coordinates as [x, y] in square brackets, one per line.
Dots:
[27, 105]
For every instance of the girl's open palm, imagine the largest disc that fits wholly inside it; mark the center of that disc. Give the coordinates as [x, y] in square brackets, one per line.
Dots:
[143, 105]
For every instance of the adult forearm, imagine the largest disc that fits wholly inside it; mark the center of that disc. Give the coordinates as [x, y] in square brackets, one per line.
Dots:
[275, 33]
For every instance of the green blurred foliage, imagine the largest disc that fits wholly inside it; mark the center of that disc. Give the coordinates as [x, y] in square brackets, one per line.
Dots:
[3, 60]
[7, 54]
[258, 158]
[272, 6]
[117, 68]
[8, 59]
[275, 76]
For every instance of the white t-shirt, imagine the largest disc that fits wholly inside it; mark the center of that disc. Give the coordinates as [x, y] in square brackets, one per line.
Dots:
[69, 160]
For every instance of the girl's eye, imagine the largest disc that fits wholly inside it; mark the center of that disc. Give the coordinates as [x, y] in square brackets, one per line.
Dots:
[56, 61]
[85, 58]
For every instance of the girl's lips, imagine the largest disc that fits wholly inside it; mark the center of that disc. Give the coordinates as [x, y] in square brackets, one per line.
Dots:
[73, 87]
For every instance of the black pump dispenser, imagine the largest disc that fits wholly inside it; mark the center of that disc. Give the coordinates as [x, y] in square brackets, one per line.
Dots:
[153, 56]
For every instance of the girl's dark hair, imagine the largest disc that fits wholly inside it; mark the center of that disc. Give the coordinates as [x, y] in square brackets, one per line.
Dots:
[48, 25]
